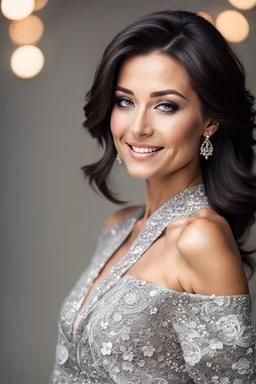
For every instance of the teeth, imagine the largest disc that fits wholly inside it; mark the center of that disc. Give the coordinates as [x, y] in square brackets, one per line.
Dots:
[144, 150]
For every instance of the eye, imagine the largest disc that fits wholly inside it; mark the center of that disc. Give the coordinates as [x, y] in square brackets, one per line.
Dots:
[118, 100]
[123, 103]
[171, 107]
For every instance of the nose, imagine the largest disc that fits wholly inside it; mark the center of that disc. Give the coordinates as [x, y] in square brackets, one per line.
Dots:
[140, 124]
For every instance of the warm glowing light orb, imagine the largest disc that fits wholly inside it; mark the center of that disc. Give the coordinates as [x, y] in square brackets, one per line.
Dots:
[233, 25]
[39, 4]
[17, 9]
[27, 61]
[27, 31]
[243, 4]
[205, 16]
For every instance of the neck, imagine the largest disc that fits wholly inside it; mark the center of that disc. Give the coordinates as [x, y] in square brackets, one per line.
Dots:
[157, 195]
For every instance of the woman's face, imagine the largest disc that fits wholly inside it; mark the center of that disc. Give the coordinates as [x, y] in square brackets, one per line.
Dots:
[172, 121]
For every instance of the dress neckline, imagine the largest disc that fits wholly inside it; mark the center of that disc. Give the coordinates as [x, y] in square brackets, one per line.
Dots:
[180, 205]
[173, 291]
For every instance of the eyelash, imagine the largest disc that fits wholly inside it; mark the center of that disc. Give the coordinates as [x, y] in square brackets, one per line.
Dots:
[117, 100]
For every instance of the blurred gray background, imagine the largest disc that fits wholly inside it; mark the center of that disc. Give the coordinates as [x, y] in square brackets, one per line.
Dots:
[50, 216]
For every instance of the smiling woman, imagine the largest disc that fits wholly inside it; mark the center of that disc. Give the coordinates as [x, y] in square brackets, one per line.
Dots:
[164, 119]
[165, 298]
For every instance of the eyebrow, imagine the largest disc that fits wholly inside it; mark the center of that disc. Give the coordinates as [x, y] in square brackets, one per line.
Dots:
[153, 94]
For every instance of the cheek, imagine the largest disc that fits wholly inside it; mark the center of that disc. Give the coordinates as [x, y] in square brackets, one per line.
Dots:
[184, 128]
[117, 123]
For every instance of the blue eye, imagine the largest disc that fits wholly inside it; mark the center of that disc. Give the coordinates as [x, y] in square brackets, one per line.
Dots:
[118, 100]
[123, 103]
[174, 107]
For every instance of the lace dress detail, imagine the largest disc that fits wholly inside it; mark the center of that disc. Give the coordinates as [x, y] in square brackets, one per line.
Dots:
[134, 332]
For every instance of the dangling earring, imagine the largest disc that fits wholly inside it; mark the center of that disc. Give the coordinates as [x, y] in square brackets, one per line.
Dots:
[206, 148]
[118, 158]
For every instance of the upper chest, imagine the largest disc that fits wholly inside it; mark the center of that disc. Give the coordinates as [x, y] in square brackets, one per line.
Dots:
[160, 264]
[146, 254]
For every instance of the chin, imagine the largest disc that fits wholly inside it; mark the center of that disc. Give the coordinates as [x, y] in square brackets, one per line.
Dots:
[140, 173]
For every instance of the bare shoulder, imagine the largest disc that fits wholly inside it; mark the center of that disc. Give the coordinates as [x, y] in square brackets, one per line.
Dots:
[120, 215]
[211, 252]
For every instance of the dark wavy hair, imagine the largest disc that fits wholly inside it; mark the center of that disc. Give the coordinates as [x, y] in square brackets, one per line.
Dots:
[218, 78]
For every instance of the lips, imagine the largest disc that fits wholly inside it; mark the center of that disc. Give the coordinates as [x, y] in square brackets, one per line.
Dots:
[143, 156]
[144, 146]
[155, 150]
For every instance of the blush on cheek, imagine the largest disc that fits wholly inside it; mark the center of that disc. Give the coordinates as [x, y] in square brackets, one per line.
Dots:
[117, 125]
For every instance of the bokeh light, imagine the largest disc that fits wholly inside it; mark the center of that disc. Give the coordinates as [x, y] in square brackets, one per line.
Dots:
[27, 31]
[27, 61]
[243, 4]
[232, 25]
[39, 4]
[17, 9]
[205, 16]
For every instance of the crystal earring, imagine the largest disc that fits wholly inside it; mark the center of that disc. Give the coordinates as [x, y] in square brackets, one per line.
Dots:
[206, 148]
[118, 158]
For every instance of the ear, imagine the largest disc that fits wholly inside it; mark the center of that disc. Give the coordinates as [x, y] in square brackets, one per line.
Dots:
[210, 127]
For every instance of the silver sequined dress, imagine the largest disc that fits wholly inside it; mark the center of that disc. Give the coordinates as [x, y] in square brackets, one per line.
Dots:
[134, 332]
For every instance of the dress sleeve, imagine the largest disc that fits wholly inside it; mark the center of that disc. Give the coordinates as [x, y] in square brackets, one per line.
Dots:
[217, 338]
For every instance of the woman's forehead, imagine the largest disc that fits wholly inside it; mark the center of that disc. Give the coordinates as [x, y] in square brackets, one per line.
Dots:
[152, 73]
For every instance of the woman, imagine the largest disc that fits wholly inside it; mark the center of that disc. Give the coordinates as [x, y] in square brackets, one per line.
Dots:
[165, 298]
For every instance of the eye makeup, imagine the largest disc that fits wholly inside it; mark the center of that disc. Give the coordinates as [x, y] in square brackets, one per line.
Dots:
[172, 107]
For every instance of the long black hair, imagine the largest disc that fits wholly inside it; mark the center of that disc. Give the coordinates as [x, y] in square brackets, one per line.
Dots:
[218, 78]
